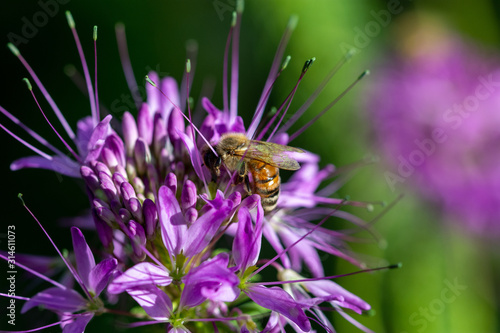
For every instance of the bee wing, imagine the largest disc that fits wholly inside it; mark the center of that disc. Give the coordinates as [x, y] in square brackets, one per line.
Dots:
[273, 154]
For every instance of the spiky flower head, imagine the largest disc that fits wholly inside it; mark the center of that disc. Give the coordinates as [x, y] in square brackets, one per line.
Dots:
[187, 243]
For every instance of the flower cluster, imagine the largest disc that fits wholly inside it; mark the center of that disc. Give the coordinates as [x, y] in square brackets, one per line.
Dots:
[435, 114]
[187, 247]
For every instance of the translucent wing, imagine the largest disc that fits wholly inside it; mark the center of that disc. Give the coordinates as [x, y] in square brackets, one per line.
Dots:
[271, 153]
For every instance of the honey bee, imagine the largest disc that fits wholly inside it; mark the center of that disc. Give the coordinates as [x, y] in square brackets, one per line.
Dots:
[262, 160]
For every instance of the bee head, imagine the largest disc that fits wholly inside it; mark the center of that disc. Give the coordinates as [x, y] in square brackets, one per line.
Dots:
[212, 162]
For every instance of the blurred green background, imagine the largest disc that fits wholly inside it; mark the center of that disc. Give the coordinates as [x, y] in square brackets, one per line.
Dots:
[157, 31]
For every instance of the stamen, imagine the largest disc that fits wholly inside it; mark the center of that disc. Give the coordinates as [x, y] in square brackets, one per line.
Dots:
[95, 75]
[33, 134]
[276, 257]
[216, 319]
[79, 82]
[128, 71]
[36, 150]
[41, 276]
[287, 102]
[225, 101]
[329, 106]
[14, 296]
[44, 91]
[320, 323]
[48, 121]
[46, 326]
[273, 109]
[235, 62]
[86, 73]
[318, 90]
[387, 208]
[292, 23]
[394, 266]
[191, 52]
[180, 111]
[188, 71]
[70, 267]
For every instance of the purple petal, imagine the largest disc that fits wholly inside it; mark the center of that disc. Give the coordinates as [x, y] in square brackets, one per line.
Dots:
[145, 124]
[211, 280]
[141, 275]
[273, 239]
[207, 129]
[142, 155]
[134, 206]
[154, 301]
[137, 239]
[304, 251]
[127, 191]
[100, 274]
[64, 166]
[97, 139]
[327, 287]
[83, 255]
[210, 108]
[272, 324]
[89, 177]
[280, 138]
[115, 145]
[101, 167]
[108, 186]
[150, 217]
[194, 154]
[188, 195]
[173, 225]
[130, 132]
[175, 125]
[154, 95]
[202, 231]
[160, 134]
[247, 241]
[84, 128]
[119, 177]
[79, 324]
[278, 300]
[191, 215]
[170, 88]
[237, 126]
[57, 299]
[171, 182]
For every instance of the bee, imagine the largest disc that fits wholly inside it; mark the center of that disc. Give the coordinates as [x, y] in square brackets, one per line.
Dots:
[262, 160]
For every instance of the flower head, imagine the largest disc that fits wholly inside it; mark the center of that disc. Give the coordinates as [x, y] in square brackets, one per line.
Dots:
[75, 310]
[188, 239]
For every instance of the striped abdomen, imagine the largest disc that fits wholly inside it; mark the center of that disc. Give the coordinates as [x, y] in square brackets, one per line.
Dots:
[266, 183]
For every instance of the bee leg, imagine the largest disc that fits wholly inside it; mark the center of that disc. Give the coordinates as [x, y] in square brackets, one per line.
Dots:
[242, 172]
[247, 183]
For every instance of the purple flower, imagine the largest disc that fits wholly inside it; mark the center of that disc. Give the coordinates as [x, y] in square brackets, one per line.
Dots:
[188, 243]
[435, 116]
[75, 310]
